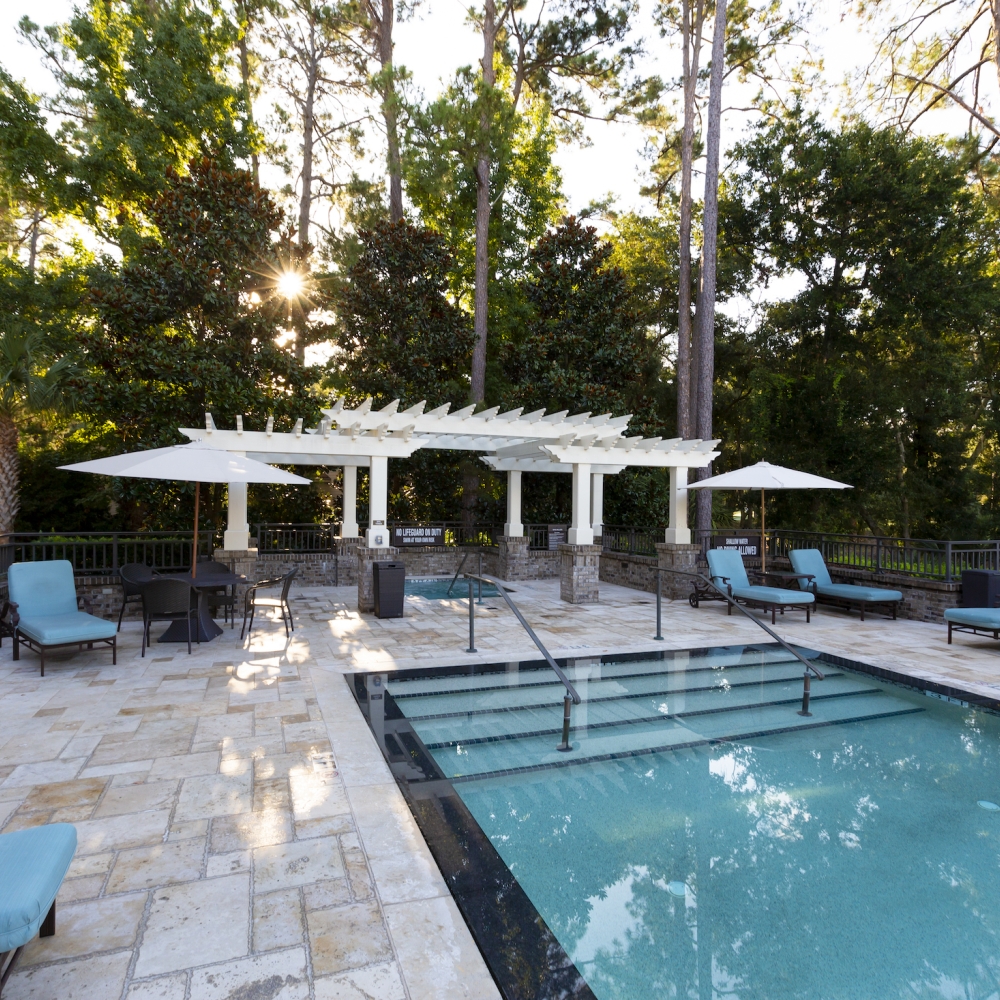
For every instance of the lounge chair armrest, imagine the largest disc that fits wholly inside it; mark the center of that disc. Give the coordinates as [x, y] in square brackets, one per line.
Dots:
[10, 606]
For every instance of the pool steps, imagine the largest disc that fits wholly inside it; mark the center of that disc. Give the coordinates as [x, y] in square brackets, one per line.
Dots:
[497, 723]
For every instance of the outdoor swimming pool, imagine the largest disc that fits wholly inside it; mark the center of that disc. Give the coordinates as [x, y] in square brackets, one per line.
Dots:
[702, 839]
[437, 589]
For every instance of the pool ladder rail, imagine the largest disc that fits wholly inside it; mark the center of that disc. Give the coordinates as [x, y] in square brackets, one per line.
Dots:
[572, 697]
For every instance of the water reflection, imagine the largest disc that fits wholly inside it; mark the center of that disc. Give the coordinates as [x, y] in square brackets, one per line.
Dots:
[847, 863]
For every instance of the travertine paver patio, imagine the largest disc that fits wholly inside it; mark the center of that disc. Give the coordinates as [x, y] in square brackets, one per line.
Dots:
[240, 835]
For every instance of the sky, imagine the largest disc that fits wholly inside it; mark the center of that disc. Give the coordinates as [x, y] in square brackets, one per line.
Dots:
[437, 40]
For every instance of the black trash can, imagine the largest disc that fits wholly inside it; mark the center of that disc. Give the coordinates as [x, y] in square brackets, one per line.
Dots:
[388, 581]
[980, 588]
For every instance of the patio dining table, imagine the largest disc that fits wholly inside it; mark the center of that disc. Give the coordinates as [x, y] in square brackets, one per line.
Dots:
[207, 628]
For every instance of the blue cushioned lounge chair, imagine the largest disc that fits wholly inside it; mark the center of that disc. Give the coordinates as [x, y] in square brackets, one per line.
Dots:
[977, 621]
[44, 612]
[33, 864]
[816, 579]
[725, 566]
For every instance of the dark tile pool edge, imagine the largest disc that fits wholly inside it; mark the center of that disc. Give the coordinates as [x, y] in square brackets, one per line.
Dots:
[524, 957]
[948, 692]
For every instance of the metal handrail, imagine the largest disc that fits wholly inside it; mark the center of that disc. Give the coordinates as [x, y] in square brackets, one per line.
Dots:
[810, 666]
[461, 565]
[572, 697]
[739, 607]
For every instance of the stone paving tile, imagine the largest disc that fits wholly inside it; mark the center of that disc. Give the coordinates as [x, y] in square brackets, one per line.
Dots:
[239, 832]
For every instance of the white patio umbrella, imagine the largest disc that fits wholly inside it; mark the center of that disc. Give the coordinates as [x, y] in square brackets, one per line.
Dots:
[196, 462]
[764, 476]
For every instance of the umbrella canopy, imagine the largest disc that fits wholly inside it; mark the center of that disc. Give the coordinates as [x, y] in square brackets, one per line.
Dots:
[193, 463]
[764, 476]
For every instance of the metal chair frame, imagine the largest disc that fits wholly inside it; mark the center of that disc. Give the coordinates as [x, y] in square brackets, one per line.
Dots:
[250, 603]
[170, 611]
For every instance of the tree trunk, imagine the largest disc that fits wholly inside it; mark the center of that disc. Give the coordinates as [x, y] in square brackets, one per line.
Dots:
[245, 75]
[305, 201]
[390, 113]
[478, 387]
[705, 320]
[10, 498]
[33, 244]
[692, 51]
[995, 11]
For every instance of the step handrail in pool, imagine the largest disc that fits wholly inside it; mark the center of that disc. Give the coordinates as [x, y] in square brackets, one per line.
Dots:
[572, 697]
[810, 666]
[461, 566]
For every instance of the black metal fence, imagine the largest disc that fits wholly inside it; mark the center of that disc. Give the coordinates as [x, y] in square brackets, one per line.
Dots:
[103, 552]
[634, 541]
[927, 558]
[282, 537]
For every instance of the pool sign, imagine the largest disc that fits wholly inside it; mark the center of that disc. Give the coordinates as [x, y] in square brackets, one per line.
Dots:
[746, 545]
[418, 535]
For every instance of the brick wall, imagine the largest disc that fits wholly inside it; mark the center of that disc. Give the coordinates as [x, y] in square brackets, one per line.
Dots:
[625, 570]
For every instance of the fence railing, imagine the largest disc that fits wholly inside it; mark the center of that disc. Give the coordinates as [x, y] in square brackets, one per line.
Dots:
[919, 557]
[635, 541]
[103, 552]
[285, 537]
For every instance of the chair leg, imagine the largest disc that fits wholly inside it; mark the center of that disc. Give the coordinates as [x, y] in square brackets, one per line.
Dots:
[807, 614]
[145, 632]
[772, 614]
[121, 614]
[949, 633]
[41, 656]
[862, 612]
[17, 647]
[48, 927]
[189, 632]
[114, 651]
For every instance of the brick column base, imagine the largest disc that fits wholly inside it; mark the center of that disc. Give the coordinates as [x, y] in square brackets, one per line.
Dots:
[579, 570]
[682, 557]
[366, 581]
[512, 559]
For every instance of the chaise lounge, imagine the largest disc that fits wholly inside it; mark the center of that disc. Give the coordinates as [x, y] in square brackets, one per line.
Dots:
[33, 864]
[725, 566]
[815, 578]
[976, 621]
[44, 613]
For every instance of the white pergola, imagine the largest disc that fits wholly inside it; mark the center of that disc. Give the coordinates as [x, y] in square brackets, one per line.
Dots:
[587, 447]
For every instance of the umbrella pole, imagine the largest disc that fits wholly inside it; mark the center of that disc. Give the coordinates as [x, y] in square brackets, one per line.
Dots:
[763, 537]
[194, 548]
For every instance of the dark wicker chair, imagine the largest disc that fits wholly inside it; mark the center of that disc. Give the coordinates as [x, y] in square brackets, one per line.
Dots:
[222, 596]
[166, 600]
[133, 576]
[253, 600]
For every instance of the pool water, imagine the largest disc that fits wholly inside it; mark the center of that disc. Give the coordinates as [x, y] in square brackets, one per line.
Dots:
[437, 590]
[849, 860]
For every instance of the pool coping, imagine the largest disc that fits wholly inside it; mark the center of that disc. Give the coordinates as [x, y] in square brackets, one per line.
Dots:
[523, 955]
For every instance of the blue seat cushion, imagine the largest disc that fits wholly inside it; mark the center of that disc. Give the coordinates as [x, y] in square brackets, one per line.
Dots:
[77, 626]
[986, 618]
[810, 561]
[727, 564]
[773, 595]
[33, 864]
[850, 592]
[42, 588]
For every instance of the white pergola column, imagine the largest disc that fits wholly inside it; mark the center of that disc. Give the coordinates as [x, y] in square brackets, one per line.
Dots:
[513, 525]
[597, 504]
[237, 534]
[678, 533]
[349, 520]
[378, 502]
[580, 532]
